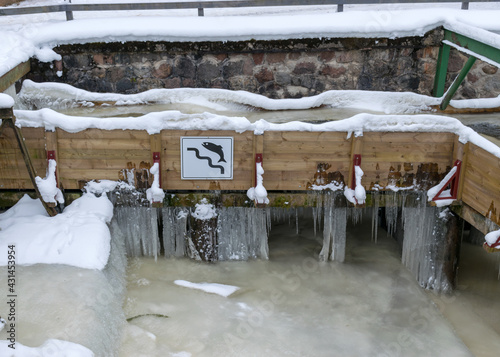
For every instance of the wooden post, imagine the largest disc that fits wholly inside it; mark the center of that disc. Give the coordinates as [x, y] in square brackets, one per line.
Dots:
[258, 148]
[51, 145]
[464, 152]
[204, 238]
[356, 149]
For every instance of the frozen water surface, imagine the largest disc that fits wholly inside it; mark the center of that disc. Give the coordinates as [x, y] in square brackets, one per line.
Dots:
[290, 305]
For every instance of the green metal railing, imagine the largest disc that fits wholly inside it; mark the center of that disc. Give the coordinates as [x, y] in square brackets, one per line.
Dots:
[473, 48]
[201, 5]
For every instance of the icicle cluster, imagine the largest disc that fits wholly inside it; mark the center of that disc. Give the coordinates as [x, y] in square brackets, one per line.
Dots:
[140, 230]
[424, 246]
[243, 233]
[334, 228]
[174, 231]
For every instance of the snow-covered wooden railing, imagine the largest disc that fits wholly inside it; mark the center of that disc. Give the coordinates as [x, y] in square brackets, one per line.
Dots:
[201, 5]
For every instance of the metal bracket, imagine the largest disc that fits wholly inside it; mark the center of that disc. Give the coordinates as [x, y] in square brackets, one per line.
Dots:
[453, 182]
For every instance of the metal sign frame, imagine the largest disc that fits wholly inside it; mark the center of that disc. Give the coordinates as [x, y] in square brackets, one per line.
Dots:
[207, 157]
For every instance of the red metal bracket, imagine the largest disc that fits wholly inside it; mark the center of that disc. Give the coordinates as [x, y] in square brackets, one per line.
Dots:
[357, 162]
[453, 183]
[51, 155]
[258, 160]
[156, 159]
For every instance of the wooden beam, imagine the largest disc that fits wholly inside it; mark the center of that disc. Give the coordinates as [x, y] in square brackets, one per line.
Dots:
[356, 149]
[460, 152]
[14, 75]
[51, 145]
[477, 220]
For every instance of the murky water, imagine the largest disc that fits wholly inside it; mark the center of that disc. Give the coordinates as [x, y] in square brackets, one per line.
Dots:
[292, 305]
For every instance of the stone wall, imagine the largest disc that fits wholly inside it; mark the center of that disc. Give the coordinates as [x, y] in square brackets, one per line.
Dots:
[276, 69]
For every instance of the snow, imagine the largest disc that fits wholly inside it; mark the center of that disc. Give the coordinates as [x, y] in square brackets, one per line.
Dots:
[433, 191]
[213, 288]
[259, 192]
[24, 37]
[51, 347]
[492, 238]
[48, 185]
[204, 210]
[59, 95]
[155, 193]
[471, 53]
[358, 194]
[6, 101]
[79, 236]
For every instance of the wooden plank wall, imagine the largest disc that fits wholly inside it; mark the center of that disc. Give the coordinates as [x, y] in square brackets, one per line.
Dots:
[291, 160]
[481, 182]
[13, 172]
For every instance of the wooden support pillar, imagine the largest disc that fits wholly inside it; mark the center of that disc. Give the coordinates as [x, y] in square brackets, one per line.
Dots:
[431, 246]
[461, 153]
[258, 148]
[452, 236]
[356, 149]
[204, 238]
[51, 146]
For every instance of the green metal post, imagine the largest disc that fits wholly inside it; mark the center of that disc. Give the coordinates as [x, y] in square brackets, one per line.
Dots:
[456, 83]
[441, 70]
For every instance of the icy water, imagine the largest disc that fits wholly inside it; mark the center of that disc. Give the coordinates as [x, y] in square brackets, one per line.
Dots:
[487, 124]
[292, 305]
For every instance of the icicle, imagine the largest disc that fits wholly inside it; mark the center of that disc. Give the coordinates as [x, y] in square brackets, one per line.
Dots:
[391, 211]
[424, 246]
[140, 230]
[243, 233]
[375, 197]
[334, 229]
[296, 221]
[174, 231]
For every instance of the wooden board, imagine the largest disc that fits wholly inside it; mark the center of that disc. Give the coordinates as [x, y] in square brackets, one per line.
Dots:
[481, 189]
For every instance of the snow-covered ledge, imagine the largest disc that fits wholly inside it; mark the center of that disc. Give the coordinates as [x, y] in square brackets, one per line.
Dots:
[6, 101]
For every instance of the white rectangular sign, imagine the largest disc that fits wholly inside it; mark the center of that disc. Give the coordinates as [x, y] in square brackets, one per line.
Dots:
[206, 158]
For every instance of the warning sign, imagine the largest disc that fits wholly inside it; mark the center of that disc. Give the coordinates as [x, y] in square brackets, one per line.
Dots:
[206, 158]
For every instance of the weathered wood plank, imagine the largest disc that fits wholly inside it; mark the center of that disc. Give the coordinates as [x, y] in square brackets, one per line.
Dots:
[409, 137]
[105, 134]
[129, 155]
[101, 144]
[14, 75]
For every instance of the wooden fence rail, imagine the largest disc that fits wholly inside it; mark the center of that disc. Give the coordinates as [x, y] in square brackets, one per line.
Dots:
[200, 5]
